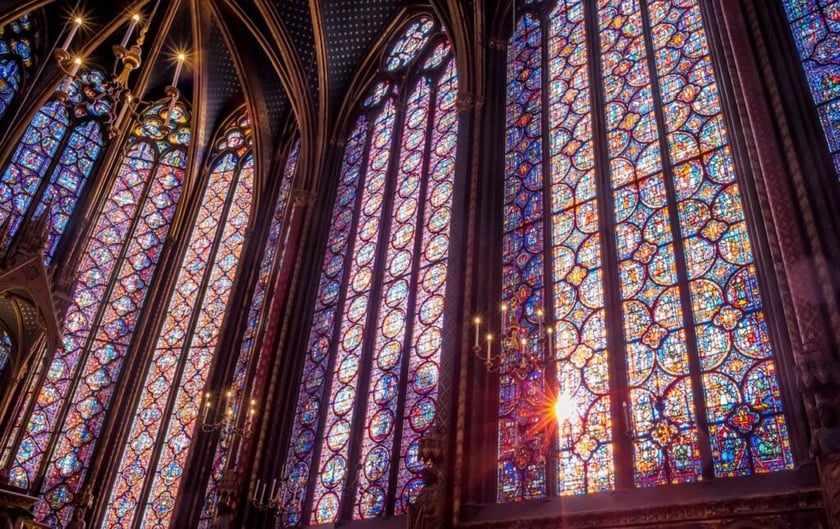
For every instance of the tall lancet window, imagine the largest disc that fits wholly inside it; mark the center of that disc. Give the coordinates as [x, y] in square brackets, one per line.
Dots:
[370, 381]
[816, 29]
[272, 260]
[18, 41]
[53, 160]
[623, 222]
[64, 409]
[152, 459]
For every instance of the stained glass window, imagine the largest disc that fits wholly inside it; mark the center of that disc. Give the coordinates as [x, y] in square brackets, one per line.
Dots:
[5, 349]
[816, 29]
[153, 458]
[62, 420]
[681, 294]
[18, 41]
[53, 160]
[271, 261]
[373, 359]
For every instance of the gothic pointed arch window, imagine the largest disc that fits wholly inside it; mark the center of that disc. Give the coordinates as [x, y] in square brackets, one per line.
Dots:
[64, 407]
[369, 386]
[623, 221]
[816, 30]
[18, 42]
[152, 460]
[51, 164]
[247, 360]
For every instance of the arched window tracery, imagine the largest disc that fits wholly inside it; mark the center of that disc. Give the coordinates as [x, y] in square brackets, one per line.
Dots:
[18, 41]
[153, 458]
[816, 30]
[65, 407]
[623, 219]
[51, 164]
[370, 380]
[257, 313]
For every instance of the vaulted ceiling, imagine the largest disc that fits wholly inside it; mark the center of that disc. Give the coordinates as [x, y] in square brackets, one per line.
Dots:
[293, 59]
[290, 61]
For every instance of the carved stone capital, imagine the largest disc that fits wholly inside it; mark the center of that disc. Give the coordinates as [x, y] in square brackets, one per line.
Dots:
[303, 198]
[465, 102]
[817, 370]
[497, 44]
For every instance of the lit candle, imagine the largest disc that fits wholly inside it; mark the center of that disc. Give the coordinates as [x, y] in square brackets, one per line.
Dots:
[175, 77]
[627, 417]
[523, 341]
[134, 20]
[77, 62]
[549, 332]
[504, 319]
[77, 23]
[477, 322]
[489, 342]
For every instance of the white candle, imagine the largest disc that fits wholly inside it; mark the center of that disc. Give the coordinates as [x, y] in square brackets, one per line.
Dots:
[77, 62]
[180, 64]
[273, 487]
[550, 337]
[257, 490]
[477, 322]
[262, 493]
[134, 19]
[206, 411]
[77, 23]
[171, 109]
[489, 342]
[504, 319]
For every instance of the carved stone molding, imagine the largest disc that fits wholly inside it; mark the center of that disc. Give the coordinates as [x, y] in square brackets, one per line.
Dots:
[829, 469]
[796, 510]
[818, 370]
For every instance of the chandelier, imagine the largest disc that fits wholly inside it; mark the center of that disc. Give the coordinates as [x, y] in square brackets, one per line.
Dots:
[521, 346]
[524, 347]
[113, 94]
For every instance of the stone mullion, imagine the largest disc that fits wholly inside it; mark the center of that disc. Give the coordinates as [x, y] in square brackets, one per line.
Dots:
[199, 463]
[276, 375]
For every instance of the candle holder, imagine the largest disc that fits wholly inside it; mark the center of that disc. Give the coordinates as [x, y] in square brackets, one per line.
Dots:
[285, 497]
[520, 345]
[228, 423]
[111, 95]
